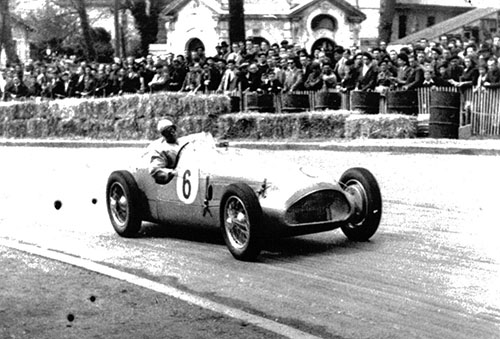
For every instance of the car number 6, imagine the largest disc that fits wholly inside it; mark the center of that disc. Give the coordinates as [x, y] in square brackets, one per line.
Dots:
[187, 185]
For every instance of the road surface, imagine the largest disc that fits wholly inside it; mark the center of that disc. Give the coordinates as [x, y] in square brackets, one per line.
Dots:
[431, 271]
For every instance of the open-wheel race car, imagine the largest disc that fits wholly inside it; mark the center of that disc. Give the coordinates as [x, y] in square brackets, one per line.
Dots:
[217, 186]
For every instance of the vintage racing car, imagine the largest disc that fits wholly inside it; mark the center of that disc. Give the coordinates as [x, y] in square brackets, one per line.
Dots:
[216, 186]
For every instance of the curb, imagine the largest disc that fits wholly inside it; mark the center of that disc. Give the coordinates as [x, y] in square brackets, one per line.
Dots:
[415, 146]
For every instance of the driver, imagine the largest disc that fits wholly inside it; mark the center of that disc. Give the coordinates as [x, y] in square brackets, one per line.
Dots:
[164, 153]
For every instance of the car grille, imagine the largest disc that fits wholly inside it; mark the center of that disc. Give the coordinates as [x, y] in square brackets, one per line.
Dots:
[321, 206]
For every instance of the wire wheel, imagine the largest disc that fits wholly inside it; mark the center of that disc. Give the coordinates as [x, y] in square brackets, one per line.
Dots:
[240, 220]
[123, 203]
[118, 203]
[236, 222]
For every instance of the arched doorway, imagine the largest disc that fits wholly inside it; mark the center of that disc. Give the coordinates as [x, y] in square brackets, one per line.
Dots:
[324, 44]
[193, 45]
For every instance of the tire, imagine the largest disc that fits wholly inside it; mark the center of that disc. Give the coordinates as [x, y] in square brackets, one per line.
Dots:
[241, 221]
[123, 203]
[364, 189]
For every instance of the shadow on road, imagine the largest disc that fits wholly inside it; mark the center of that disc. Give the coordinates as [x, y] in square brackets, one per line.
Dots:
[273, 248]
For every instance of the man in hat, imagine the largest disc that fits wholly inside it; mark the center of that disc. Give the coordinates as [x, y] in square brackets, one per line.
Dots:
[163, 153]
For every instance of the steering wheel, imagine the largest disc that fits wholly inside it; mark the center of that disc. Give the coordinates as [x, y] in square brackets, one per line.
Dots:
[176, 162]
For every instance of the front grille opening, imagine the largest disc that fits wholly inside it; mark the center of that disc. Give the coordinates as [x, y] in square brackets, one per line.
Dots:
[321, 206]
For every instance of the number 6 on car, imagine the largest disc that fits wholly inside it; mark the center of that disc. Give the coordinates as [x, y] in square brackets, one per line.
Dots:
[187, 184]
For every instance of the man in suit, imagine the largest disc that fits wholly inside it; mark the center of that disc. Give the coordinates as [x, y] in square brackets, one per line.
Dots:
[404, 71]
[229, 81]
[294, 77]
[64, 87]
[16, 89]
[416, 74]
[368, 74]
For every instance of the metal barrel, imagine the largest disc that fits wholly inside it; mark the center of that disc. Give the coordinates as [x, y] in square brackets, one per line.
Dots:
[365, 102]
[402, 102]
[260, 102]
[327, 100]
[293, 103]
[444, 118]
[235, 103]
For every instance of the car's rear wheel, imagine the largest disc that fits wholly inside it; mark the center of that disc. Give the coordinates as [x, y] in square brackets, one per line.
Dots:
[123, 203]
[241, 221]
[364, 192]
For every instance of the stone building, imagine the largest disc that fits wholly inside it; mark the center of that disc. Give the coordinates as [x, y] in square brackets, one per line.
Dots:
[193, 23]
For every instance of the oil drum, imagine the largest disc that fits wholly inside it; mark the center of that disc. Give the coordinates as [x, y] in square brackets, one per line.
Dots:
[365, 102]
[444, 118]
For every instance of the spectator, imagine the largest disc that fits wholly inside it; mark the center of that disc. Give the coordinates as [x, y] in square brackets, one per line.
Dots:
[193, 80]
[350, 79]
[230, 81]
[328, 76]
[159, 80]
[404, 71]
[253, 78]
[16, 89]
[469, 75]
[314, 81]
[236, 53]
[493, 74]
[293, 77]
[367, 75]
[176, 76]
[478, 85]
[455, 70]
[63, 87]
[271, 84]
[430, 80]
[416, 74]
[262, 65]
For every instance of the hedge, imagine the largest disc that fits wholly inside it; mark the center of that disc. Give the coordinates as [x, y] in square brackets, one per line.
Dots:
[135, 117]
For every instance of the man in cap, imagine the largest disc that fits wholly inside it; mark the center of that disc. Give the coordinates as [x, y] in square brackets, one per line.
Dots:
[163, 153]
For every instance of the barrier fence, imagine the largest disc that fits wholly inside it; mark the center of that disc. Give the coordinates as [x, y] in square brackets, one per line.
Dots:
[479, 109]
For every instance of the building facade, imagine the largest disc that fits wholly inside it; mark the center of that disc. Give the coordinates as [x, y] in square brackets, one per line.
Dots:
[194, 23]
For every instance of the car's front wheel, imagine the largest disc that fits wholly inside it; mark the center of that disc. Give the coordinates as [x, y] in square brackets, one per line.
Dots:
[123, 203]
[364, 193]
[241, 221]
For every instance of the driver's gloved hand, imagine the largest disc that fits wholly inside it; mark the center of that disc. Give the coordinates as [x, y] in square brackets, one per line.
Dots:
[164, 177]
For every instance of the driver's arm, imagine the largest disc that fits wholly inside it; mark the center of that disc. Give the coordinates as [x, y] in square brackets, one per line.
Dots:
[161, 165]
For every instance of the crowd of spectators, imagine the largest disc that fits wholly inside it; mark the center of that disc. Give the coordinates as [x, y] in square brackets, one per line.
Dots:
[277, 68]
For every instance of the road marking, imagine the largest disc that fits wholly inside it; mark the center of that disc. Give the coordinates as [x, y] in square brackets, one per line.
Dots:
[207, 304]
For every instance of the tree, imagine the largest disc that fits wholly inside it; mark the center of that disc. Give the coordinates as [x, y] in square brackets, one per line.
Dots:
[236, 21]
[85, 26]
[146, 15]
[6, 40]
[387, 11]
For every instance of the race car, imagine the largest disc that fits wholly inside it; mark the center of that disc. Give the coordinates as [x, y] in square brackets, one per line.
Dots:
[218, 187]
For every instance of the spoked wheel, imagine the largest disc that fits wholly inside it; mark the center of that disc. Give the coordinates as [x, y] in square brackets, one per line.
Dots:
[364, 192]
[122, 200]
[241, 217]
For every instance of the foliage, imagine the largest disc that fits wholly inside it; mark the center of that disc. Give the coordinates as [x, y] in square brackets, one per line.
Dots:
[6, 40]
[57, 28]
[146, 16]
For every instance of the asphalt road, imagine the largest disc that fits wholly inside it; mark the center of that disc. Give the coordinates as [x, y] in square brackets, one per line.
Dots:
[431, 271]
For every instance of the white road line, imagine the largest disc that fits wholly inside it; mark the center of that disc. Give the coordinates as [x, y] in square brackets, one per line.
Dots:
[235, 313]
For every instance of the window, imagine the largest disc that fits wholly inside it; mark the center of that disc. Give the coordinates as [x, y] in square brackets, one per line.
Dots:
[431, 21]
[324, 21]
[402, 26]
